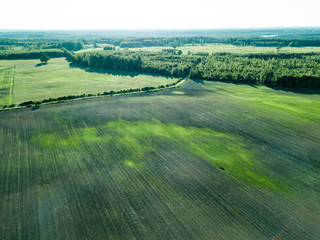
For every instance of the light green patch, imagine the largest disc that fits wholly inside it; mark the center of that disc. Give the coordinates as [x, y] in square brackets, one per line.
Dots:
[130, 163]
[46, 140]
[86, 135]
[54, 140]
[178, 92]
[288, 108]
[220, 149]
[131, 140]
[282, 106]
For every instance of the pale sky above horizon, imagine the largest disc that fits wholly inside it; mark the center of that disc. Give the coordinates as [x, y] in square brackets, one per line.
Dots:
[165, 14]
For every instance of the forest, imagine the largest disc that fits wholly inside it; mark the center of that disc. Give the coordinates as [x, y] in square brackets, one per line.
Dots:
[33, 54]
[286, 70]
[164, 63]
[136, 42]
[281, 69]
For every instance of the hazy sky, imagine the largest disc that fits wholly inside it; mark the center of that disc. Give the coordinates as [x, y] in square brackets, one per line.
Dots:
[144, 14]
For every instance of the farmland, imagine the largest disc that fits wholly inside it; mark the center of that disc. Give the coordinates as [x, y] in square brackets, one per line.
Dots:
[207, 160]
[6, 84]
[235, 159]
[34, 81]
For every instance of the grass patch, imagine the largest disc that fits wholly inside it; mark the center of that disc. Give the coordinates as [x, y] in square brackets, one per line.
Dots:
[178, 92]
[57, 79]
[6, 85]
[218, 48]
[290, 105]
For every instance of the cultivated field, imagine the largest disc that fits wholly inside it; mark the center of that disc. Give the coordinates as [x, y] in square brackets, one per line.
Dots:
[34, 81]
[6, 84]
[206, 161]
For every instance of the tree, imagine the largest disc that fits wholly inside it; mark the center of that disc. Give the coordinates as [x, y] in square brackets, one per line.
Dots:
[278, 48]
[44, 58]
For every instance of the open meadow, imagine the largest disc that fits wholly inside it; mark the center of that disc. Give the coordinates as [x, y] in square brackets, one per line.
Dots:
[209, 160]
[6, 84]
[35, 81]
[218, 48]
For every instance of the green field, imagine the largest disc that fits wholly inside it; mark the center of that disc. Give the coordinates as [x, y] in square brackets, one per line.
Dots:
[34, 81]
[218, 48]
[209, 160]
[6, 84]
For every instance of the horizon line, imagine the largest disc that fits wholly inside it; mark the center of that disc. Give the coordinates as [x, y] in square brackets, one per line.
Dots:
[152, 29]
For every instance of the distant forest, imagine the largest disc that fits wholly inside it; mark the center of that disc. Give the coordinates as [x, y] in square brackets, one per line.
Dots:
[281, 33]
[281, 69]
[75, 45]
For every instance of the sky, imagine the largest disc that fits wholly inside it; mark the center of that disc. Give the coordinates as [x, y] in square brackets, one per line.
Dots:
[164, 14]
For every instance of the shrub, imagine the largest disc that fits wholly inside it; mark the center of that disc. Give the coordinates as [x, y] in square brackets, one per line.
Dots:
[26, 103]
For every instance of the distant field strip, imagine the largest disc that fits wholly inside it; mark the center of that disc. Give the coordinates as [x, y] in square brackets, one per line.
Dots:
[6, 85]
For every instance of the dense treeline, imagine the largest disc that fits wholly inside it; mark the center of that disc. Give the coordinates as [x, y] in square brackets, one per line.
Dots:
[131, 44]
[272, 42]
[182, 41]
[75, 45]
[108, 61]
[4, 41]
[287, 70]
[70, 45]
[109, 48]
[170, 64]
[11, 44]
[34, 54]
[157, 42]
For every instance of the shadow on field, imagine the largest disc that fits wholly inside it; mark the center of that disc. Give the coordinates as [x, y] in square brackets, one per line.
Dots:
[114, 72]
[201, 81]
[197, 87]
[35, 108]
[309, 91]
[40, 64]
[193, 88]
